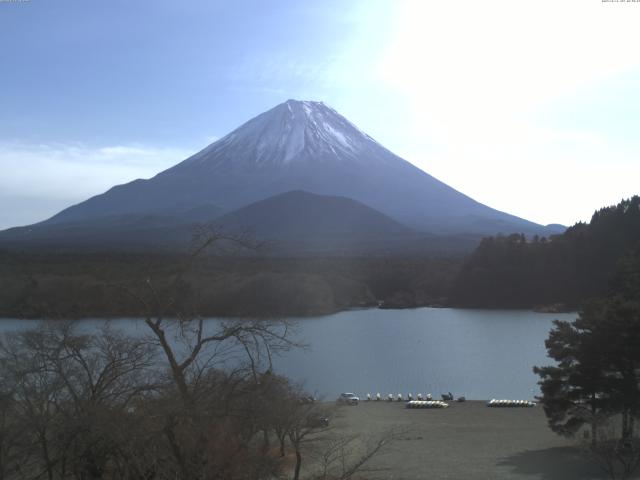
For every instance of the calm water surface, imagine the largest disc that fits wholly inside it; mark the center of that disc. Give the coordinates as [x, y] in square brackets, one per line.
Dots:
[477, 353]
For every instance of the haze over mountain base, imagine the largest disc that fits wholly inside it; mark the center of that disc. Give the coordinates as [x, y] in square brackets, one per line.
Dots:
[359, 196]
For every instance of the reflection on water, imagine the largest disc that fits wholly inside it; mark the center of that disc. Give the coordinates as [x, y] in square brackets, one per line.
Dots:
[477, 353]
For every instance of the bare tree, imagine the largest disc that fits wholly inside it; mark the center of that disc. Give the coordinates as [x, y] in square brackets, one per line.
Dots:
[343, 457]
[192, 399]
[35, 392]
[618, 458]
[197, 351]
[303, 429]
[10, 431]
[70, 392]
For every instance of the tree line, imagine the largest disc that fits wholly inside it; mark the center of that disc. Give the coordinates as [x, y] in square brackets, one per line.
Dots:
[564, 270]
[33, 285]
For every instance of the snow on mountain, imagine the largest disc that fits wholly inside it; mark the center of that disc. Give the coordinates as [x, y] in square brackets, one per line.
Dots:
[302, 145]
[292, 131]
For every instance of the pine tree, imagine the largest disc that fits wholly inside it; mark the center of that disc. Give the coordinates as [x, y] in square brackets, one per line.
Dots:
[597, 374]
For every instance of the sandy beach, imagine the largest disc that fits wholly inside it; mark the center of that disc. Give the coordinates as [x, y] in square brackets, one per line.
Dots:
[466, 441]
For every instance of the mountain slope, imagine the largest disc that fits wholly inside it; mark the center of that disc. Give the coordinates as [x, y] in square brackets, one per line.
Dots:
[123, 231]
[300, 214]
[303, 146]
[300, 221]
[291, 224]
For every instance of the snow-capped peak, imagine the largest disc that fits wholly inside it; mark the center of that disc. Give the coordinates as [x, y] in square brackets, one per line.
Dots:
[294, 130]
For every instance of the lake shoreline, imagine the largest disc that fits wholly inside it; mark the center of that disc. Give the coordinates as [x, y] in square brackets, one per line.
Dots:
[479, 354]
[78, 316]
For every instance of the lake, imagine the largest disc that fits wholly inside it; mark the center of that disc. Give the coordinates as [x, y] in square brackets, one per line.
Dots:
[481, 354]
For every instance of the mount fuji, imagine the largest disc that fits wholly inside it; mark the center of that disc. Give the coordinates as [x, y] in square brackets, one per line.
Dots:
[296, 146]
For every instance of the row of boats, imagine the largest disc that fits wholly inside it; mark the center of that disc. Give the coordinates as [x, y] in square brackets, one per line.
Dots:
[409, 398]
[510, 403]
[493, 403]
[428, 402]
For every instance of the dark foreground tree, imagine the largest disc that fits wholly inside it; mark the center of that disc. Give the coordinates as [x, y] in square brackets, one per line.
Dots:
[574, 390]
[598, 368]
[596, 380]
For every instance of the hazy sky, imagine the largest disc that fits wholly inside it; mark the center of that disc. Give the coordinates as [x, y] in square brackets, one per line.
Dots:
[529, 107]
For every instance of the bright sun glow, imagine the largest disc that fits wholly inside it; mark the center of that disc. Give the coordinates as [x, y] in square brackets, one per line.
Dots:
[481, 80]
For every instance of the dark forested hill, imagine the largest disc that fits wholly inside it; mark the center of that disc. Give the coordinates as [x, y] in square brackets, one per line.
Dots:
[72, 285]
[512, 271]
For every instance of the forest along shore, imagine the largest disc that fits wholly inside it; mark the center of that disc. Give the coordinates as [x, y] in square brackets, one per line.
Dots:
[466, 440]
[40, 285]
